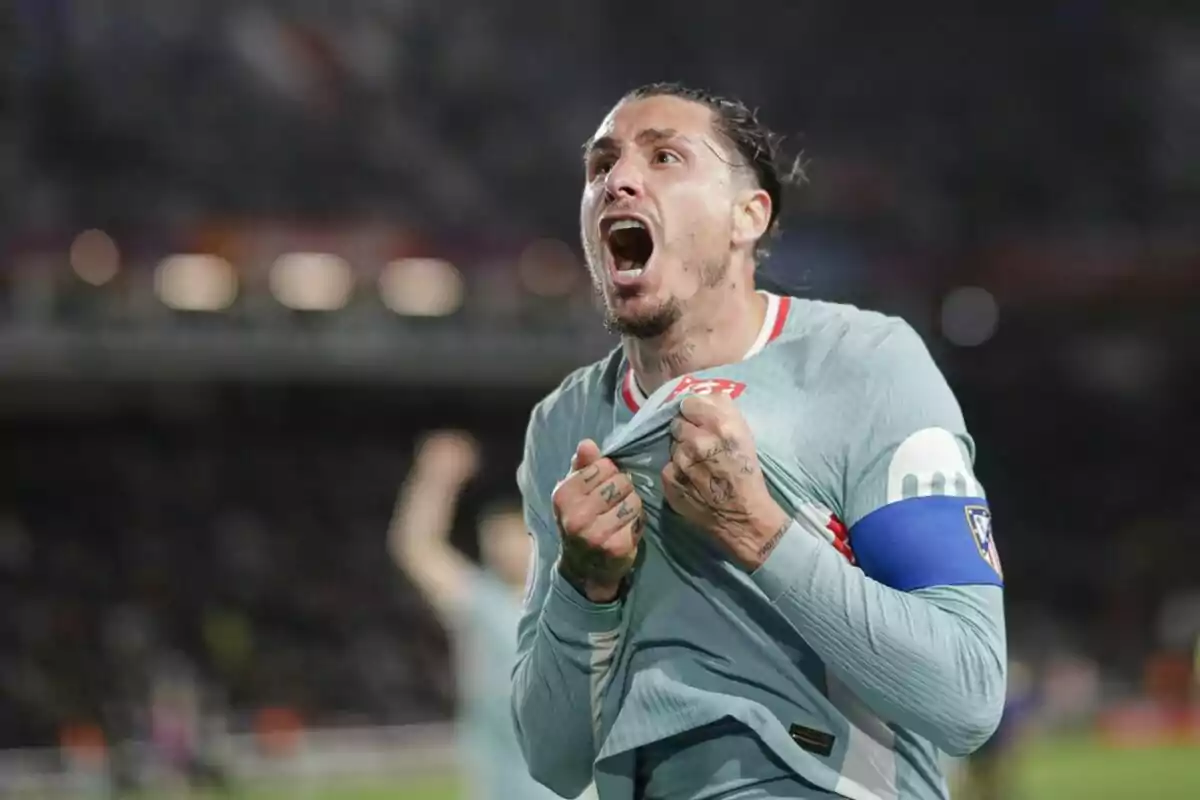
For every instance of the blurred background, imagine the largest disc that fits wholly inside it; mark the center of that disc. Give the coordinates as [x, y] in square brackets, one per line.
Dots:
[255, 249]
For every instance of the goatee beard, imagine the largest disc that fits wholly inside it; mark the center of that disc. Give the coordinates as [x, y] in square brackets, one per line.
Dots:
[646, 326]
[657, 322]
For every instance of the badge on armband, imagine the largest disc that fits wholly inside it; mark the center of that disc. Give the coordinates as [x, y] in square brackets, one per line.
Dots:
[979, 520]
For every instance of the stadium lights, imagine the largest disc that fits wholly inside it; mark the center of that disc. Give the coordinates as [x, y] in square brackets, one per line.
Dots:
[421, 287]
[196, 283]
[311, 281]
[969, 316]
[95, 257]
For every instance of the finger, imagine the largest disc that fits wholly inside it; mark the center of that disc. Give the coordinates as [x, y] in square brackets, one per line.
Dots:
[612, 491]
[702, 411]
[683, 428]
[624, 541]
[672, 492]
[587, 478]
[579, 483]
[587, 453]
[698, 448]
[627, 513]
[577, 512]
[686, 437]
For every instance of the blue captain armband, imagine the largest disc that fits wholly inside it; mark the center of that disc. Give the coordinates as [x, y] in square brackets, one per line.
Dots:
[928, 541]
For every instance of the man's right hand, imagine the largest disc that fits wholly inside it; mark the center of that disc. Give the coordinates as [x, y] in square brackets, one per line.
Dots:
[600, 519]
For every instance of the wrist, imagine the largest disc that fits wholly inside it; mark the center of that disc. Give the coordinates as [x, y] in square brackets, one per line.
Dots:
[595, 591]
[601, 594]
[767, 529]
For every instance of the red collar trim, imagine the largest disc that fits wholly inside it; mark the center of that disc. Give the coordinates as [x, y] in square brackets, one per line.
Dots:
[628, 392]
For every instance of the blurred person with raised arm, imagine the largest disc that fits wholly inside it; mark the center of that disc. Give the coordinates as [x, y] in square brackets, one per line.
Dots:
[765, 567]
[479, 607]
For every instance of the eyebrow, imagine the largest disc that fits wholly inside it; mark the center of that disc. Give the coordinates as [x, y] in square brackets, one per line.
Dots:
[646, 136]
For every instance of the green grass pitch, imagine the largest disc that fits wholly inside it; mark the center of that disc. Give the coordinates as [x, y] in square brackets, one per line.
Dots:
[1062, 770]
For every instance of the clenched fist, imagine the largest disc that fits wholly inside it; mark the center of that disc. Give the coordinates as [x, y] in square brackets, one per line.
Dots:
[600, 519]
[715, 482]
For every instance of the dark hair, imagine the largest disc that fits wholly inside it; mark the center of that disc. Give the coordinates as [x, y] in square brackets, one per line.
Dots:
[758, 145]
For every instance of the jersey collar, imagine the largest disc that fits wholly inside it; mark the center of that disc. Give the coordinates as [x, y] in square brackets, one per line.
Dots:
[776, 316]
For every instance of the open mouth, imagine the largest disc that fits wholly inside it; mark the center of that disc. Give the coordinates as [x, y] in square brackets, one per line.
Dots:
[631, 245]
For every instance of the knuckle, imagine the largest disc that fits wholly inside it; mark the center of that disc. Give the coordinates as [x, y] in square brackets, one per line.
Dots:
[614, 546]
[562, 497]
[575, 523]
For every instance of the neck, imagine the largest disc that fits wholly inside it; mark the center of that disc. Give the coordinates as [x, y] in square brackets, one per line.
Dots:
[719, 326]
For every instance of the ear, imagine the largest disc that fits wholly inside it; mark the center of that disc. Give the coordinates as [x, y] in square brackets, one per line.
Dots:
[751, 216]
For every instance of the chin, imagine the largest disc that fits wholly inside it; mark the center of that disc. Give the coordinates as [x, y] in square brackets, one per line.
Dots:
[641, 317]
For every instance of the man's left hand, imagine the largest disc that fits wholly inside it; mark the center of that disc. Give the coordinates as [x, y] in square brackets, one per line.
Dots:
[715, 482]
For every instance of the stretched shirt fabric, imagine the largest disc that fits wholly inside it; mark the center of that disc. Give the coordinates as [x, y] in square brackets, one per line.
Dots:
[870, 641]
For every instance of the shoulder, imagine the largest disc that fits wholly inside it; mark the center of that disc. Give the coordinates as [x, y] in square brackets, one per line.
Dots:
[847, 346]
[583, 394]
[560, 419]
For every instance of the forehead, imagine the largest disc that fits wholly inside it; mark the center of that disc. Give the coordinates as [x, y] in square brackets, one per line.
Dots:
[661, 112]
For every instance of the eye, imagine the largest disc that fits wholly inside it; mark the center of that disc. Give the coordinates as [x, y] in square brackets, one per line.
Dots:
[600, 166]
[666, 157]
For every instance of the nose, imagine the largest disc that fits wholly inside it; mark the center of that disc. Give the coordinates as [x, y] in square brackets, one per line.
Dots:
[624, 182]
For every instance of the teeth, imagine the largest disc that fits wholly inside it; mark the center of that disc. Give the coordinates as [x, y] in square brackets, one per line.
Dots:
[626, 224]
[632, 272]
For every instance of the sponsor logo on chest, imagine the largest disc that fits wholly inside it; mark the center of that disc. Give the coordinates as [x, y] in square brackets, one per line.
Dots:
[706, 386]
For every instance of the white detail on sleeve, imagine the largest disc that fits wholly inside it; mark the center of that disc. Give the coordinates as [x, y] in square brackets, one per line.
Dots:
[531, 570]
[930, 462]
[604, 646]
[869, 766]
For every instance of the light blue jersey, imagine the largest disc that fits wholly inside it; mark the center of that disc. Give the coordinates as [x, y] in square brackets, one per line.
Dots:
[872, 639]
[485, 652]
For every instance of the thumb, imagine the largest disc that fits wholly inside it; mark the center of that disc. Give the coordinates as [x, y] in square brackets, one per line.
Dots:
[587, 453]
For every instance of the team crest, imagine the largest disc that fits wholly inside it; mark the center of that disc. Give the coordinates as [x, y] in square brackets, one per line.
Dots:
[979, 520]
[706, 386]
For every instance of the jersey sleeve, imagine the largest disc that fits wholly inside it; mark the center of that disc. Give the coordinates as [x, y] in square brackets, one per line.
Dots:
[564, 642]
[917, 515]
[917, 633]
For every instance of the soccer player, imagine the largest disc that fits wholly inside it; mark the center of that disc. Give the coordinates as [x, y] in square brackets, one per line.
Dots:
[764, 565]
[479, 607]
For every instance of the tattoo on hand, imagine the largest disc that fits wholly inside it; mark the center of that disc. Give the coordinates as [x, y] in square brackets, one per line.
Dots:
[580, 564]
[624, 511]
[609, 492]
[720, 489]
[773, 542]
[590, 474]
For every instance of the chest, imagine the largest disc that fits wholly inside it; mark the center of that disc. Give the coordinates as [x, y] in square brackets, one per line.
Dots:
[790, 414]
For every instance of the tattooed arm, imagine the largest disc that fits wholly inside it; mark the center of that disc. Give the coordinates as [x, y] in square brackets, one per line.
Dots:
[714, 480]
[588, 531]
